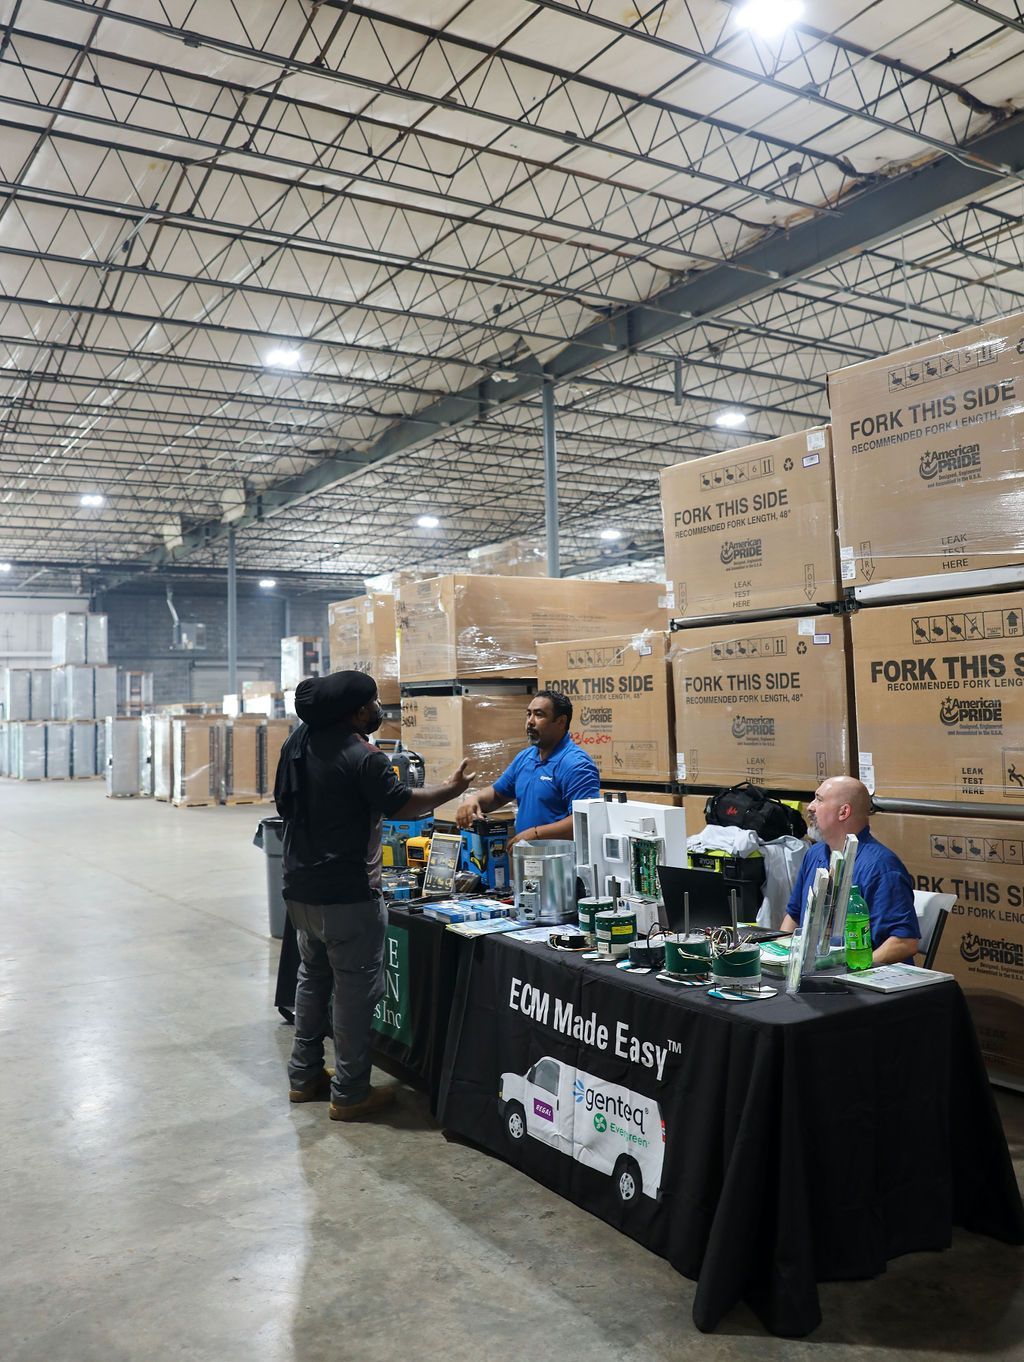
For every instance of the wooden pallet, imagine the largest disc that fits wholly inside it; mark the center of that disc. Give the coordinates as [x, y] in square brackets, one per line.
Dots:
[244, 799]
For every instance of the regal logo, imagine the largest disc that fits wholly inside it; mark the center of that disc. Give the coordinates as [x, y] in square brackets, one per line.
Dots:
[747, 551]
[955, 713]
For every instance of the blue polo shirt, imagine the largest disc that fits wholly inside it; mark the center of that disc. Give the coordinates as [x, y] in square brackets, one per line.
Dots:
[544, 790]
[880, 876]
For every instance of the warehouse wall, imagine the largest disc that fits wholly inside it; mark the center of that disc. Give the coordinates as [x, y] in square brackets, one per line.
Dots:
[141, 636]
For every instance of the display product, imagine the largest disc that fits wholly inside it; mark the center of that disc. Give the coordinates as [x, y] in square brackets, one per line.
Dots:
[362, 637]
[615, 931]
[940, 699]
[544, 876]
[764, 702]
[752, 529]
[621, 692]
[468, 626]
[929, 456]
[981, 861]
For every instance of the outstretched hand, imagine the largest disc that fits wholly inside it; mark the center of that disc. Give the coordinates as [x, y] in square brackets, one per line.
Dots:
[462, 780]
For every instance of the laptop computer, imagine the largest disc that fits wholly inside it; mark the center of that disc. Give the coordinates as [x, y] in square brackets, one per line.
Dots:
[714, 901]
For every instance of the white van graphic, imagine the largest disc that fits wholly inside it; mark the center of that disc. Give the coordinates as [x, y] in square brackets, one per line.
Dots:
[609, 1128]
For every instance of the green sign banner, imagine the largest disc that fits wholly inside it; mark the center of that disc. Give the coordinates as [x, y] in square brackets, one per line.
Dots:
[391, 1017]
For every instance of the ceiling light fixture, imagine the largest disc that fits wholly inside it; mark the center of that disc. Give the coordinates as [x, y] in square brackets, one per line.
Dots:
[428, 522]
[730, 420]
[268, 583]
[610, 534]
[282, 359]
[769, 18]
[92, 499]
[6, 567]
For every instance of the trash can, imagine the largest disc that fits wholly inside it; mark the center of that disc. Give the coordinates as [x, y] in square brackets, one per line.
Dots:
[270, 836]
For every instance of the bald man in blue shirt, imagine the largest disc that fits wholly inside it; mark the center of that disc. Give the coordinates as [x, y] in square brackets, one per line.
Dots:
[544, 778]
[840, 806]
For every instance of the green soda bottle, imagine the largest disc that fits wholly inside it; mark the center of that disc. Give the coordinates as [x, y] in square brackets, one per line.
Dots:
[858, 932]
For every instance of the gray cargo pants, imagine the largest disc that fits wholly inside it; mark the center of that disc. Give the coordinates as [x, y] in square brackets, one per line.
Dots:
[342, 948]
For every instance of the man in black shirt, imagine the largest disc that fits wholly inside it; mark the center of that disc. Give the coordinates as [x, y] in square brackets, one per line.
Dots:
[332, 789]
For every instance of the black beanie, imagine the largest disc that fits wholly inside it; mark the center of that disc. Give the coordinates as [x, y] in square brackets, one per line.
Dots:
[321, 701]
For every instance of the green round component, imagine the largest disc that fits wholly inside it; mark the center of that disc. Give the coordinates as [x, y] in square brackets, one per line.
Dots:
[588, 910]
[744, 963]
[687, 954]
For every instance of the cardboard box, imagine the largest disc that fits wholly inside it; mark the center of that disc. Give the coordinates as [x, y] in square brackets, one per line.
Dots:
[241, 773]
[83, 749]
[764, 702]
[488, 729]
[42, 693]
[272, 737]
[940, 699]
[752, 529]
[524, 556]
[621, 692]
[162, 766]
[301, 656]
[929, 456]
[59, 754]
[16, 694]
[196, 748]
[362, 637]
[461, 626]
[981, 861]
[69, 638]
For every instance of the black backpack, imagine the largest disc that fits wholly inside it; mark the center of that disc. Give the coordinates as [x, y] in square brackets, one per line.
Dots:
[747, 806]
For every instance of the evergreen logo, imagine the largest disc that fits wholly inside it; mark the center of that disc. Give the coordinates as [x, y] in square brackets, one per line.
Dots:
[600, 1121]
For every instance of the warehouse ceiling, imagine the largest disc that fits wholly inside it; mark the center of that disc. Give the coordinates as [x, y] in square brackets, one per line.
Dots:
[304, 269]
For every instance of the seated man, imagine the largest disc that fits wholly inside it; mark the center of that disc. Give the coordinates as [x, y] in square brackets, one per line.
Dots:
[544, 778]
[841, 806]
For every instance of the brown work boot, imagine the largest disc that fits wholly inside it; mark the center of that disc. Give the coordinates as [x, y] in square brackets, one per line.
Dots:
[313, 1092]
[356, 1111]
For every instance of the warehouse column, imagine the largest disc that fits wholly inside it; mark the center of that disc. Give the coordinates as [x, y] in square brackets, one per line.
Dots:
[232, 617]
[550, 479]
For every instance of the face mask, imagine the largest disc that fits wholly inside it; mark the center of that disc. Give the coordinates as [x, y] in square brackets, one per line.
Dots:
[375, 720]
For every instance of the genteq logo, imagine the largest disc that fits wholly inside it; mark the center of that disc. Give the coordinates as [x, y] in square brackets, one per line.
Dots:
[950, 465]
[954, 713]
[740, 551]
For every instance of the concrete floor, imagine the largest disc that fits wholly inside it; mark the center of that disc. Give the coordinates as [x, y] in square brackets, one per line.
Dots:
[161, 1198]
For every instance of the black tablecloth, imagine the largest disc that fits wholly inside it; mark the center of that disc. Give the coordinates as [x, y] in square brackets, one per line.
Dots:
[421, 964]
[876, 1106]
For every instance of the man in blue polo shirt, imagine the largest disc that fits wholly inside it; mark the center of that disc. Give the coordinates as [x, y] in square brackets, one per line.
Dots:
[544, 778]
[841, 806]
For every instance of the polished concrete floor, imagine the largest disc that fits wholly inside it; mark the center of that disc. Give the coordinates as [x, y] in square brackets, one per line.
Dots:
[161, 1199]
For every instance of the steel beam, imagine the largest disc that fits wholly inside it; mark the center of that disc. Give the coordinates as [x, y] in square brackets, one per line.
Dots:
[232, 616]
[550, 479]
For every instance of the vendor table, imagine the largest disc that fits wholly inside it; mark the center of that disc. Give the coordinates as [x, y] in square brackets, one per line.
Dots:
[760, 1147]
[411, 1025]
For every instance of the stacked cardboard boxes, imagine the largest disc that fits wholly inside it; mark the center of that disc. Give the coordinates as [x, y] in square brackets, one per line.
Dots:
[301, 656]
[196, 761]
[362, 637]
[621, 692]
[748, 533]
[469, 627]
